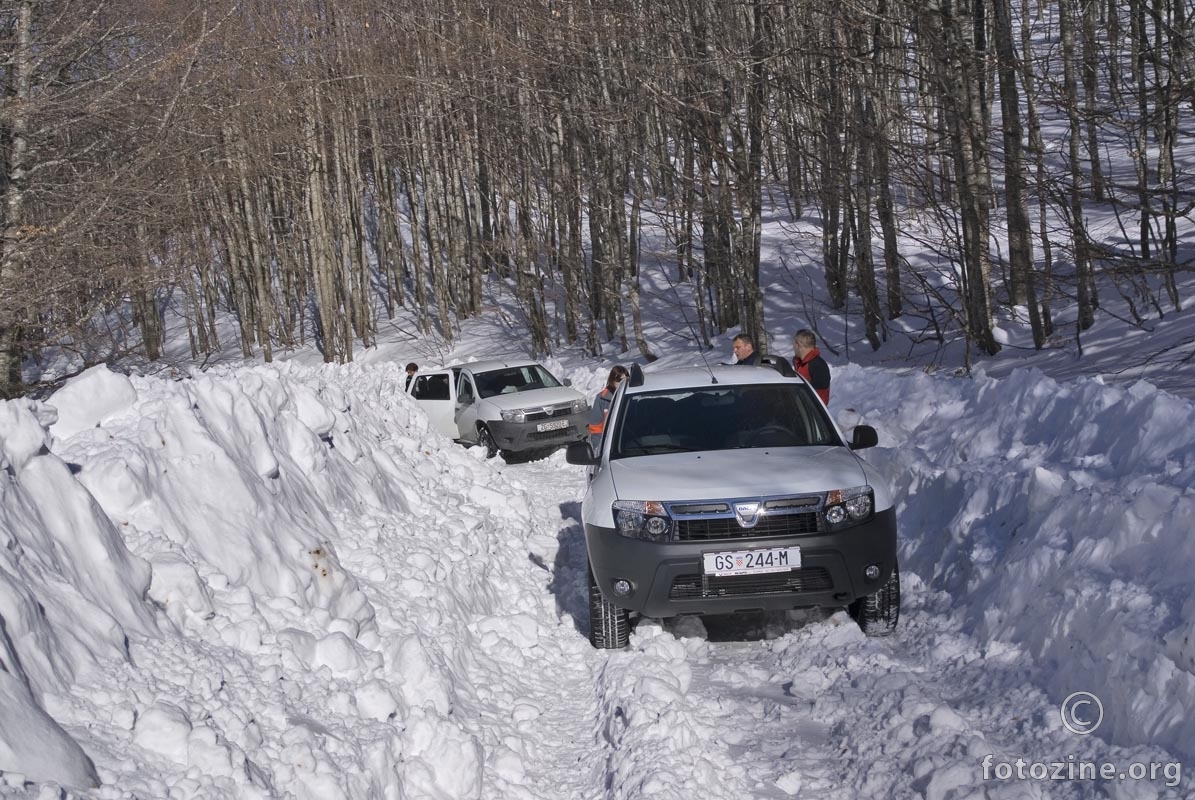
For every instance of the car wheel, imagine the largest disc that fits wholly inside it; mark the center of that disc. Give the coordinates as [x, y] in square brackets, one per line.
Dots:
[609, 625]
[877, 613]
[486, 440]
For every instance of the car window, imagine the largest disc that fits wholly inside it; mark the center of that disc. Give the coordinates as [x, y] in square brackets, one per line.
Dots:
[431, 387]
[722, 418]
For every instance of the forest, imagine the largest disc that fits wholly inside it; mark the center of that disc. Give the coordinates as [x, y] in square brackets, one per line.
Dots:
[310, 168]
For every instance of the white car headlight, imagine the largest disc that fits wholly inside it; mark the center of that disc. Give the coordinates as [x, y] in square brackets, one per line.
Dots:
[518, 415]
[579, 405]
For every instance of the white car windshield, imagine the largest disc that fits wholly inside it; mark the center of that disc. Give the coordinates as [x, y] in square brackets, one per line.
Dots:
[722, 417]
[514, 379]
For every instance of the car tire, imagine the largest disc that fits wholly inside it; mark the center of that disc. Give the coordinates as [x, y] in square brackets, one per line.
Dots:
[609, 625]
[486, 440]
[878, 613]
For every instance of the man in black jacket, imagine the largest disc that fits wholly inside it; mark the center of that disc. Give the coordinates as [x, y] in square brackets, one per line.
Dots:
[744, 351]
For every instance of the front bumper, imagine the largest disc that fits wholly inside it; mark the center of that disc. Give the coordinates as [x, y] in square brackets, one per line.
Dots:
[517, 437]
[667, 578]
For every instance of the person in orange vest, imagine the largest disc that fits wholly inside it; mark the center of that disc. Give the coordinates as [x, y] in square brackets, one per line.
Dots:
[601, 406]
[810, 365]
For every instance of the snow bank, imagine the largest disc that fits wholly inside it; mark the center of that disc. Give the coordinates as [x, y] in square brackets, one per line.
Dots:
[1057, 517]
[227, 473]
[235, 650]
[70, 594]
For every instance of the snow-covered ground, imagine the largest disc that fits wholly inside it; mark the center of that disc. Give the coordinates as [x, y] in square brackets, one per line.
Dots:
[276, 581]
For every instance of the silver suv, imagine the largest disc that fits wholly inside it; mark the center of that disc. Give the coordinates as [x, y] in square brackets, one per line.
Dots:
[732, 489]
[516, 407]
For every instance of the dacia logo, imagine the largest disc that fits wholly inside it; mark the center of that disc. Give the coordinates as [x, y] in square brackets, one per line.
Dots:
[747, 514]
[549, 411]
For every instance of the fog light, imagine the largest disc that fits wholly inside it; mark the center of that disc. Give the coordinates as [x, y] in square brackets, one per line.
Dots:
[622, 588]
[872, 572]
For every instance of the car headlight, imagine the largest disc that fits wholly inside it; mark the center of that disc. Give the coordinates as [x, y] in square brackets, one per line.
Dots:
[847, 507]
[518, 415]
[643, 519]
[579, 405]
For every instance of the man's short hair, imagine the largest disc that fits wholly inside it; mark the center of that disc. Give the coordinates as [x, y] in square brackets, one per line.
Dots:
[805, 337]
[745, 338]
[412, 367]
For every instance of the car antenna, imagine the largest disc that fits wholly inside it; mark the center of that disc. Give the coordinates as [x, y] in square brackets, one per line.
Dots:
[681, 305]
[704, 360]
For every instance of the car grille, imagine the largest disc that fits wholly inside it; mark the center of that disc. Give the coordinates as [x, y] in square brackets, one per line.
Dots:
[558, 410]
[699, 530]
[798, 581]
[541, 436]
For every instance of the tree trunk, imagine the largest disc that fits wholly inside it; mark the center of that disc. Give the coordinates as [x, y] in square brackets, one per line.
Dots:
[13, 191]
[1021, 287]
[1078, 225]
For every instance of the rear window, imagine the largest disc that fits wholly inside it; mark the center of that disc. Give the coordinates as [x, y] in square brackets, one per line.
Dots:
[720, 417]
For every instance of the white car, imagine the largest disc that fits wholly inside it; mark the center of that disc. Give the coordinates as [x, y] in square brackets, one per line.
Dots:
[731, 489]
[515, 407]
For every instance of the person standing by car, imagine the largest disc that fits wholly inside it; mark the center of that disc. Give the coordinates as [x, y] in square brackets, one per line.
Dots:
[744, 351]
[601, 406]
[412, 368]
[810, 365]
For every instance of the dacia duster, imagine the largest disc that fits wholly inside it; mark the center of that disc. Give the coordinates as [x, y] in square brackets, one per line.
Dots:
[731, 489]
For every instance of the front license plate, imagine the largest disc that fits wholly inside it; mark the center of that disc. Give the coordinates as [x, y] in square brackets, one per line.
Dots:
[554, 425]
[752, 562]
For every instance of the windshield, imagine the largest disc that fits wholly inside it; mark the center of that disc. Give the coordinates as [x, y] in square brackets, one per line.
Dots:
[721, 417]
[514, 379]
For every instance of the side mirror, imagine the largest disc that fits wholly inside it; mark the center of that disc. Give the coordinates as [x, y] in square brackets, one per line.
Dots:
[864, 436]
[581, 454]
[567, 381]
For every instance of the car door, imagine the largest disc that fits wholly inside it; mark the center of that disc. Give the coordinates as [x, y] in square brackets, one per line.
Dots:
[466, 408]
[436, 395]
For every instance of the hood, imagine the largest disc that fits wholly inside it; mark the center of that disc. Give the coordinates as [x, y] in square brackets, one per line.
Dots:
[534, 399]
[756, 472]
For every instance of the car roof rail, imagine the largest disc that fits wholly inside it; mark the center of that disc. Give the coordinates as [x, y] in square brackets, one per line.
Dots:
[636, 375]
[780, 364]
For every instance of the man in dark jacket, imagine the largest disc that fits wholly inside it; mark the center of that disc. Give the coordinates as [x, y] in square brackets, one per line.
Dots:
[810, 365]
[744, 351]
